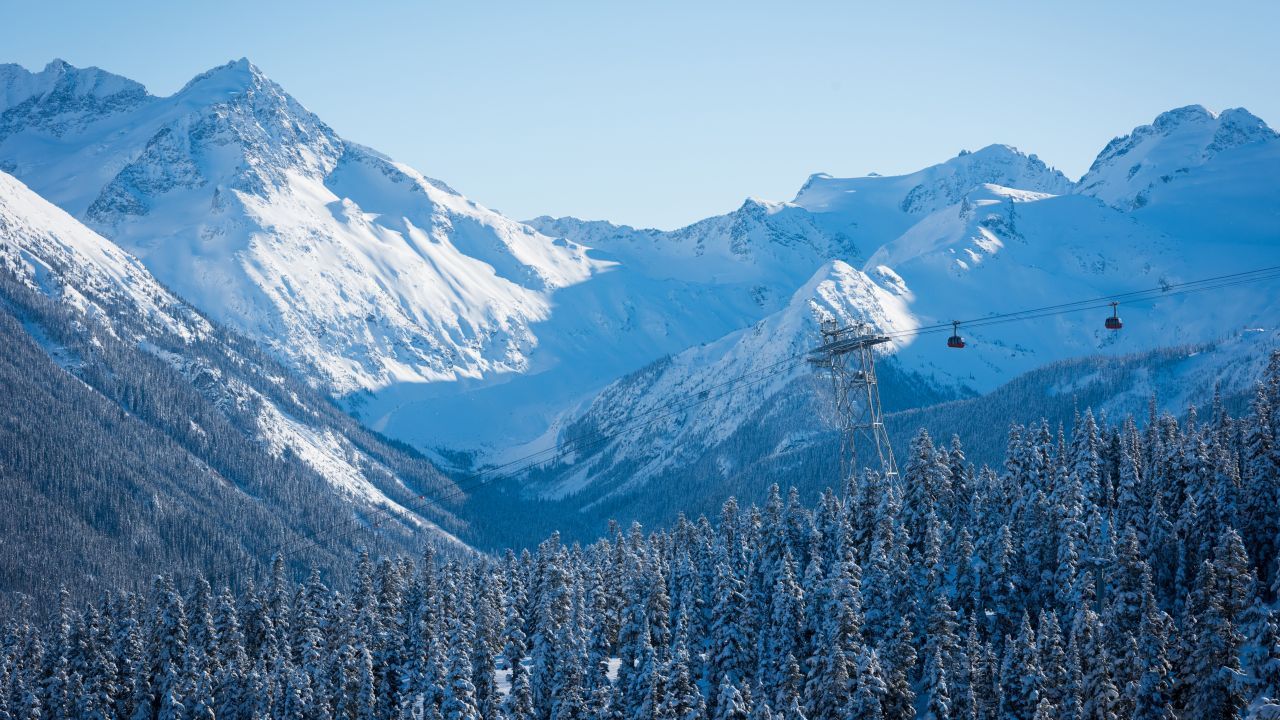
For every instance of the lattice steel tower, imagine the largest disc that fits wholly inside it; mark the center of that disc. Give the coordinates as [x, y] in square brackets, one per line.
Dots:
[847, 355]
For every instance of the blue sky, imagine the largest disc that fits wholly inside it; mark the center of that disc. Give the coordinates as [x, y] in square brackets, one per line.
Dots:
[660, 113]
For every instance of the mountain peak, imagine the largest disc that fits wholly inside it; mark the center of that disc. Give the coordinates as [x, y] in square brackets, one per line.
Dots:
[89, 80]
[1175, 142]
[1197, 126]
[61, 89]
[1237, 126]
[1171, 119]
[1005, 154]
[231, 78]
[994, 150]
[936, 186]
[57, 65]
[759, 205]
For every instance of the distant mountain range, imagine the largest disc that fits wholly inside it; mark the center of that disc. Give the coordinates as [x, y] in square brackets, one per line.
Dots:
[1191, 196]
[229, 211]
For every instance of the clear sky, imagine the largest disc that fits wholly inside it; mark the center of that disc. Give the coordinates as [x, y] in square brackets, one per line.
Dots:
[660, 113]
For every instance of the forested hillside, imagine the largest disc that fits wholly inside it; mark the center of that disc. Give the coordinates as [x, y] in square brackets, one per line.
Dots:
[120, 459]
[1115, 572]
[768, 446]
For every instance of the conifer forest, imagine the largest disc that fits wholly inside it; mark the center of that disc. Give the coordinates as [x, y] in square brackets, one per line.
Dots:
[1107, 571]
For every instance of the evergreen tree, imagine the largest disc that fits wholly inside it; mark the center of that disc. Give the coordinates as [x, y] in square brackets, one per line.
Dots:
[1099, 695]
[899, 669]
[459, 701]
[1215, 664]
[937, 695]
[1110, 535]
[1261, 456]
[1152, 693]
[730, 704]
[683, 699]
[1260, 655]
[783, 643]
[730, 644]
[872, 691]
[518, 704]
[1020, 676]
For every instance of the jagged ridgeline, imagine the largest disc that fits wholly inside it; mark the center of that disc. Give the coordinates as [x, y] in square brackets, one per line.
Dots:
[1116, 573]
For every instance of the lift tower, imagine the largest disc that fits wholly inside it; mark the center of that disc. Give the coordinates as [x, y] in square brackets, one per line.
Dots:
[846, 354]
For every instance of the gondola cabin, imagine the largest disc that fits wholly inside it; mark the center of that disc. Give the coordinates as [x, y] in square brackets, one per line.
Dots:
[1113, 322]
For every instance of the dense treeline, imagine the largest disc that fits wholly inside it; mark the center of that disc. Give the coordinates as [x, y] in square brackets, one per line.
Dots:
[1118, 573]
[656, 478]
[790, 436]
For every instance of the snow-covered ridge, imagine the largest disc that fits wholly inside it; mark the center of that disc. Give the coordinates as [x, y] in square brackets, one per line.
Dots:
[934, 187]
[757, 241]
[765, 352]
[358, 270]
[55, 255]
[61, 90]
[448, 325]
[1175, 143]
[985, 248]
[369, 276]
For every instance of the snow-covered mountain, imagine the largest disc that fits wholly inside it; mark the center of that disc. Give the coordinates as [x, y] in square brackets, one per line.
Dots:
[684, 400]
[444, 324]
[50, 250]
[658, 293]
[1133, 168]
[346, 263]
[768, 250]
[975, 248]
[875, 209]
[1195, 175]
[228, 434]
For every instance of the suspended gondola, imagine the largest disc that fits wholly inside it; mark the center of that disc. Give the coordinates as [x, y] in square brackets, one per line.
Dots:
[1113, 322]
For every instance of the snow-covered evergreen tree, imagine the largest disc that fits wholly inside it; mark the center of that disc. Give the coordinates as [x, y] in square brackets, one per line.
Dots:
[1121, 573]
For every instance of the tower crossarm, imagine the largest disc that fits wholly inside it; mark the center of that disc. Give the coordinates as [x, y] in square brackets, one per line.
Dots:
[848, 345]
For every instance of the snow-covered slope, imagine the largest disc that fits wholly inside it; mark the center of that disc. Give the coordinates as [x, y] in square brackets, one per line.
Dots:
[444, 323]
[1131, 168]
[830, 218]
[770, 356]
[994, 247]
[346, 263]
[1202, 177]
[658, 294]
[875, 209]
[763, 242]
[52, 251]
[729, 271]
[46, 250]
[964, 252]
